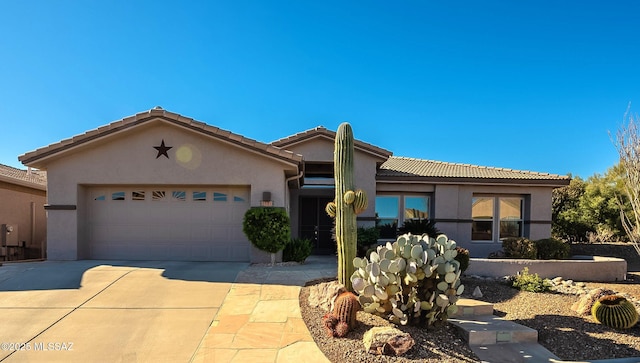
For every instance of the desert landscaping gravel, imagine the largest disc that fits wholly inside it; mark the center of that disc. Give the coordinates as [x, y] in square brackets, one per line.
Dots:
[560, 330]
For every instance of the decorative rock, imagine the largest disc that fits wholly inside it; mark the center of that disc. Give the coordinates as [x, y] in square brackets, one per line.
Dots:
[387, 340]
[324, 295]
[476, 292]
[583, 306]
[557, 280]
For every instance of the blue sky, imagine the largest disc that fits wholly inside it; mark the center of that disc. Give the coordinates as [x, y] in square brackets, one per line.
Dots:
[525, 85]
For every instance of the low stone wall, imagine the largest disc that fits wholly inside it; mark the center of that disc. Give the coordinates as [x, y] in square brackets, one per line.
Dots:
[579, 268]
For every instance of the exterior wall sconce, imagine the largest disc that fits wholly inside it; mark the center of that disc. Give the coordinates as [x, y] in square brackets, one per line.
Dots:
[266, 200]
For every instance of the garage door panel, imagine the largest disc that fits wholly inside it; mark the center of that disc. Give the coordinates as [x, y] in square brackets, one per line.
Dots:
[238, 252]
[160, 223]
[200, 233]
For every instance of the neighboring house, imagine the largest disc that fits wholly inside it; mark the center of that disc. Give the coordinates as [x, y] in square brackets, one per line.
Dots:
[160, 186]
[23, 222]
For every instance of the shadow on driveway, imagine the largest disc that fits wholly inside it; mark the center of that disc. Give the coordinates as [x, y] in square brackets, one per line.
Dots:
[53, 275]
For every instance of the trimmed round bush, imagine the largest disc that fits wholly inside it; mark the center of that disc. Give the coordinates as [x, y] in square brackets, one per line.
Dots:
[552, 249]
[268, 228]
[519, 247]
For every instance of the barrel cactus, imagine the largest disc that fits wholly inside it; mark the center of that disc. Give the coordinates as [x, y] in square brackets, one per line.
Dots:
[615, 311]
[347, 205]
[415, 280]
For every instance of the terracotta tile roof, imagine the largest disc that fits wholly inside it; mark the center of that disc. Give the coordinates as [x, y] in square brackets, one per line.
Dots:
[403, 167]
[321, 131]
[35, 158]
[32, 178]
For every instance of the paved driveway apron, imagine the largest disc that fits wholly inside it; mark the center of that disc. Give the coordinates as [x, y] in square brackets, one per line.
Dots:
[109, 311]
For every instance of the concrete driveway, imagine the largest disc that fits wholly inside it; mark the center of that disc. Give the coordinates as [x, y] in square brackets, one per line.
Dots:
[109, 311]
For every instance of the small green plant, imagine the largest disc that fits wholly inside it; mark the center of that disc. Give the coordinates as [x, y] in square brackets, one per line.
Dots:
[298, 249]
[267, 228]
[525, 281]
[519, 247]
[419, 227]
[552, 249]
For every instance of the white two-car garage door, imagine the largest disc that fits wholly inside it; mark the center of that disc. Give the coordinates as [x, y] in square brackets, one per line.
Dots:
[168, 223]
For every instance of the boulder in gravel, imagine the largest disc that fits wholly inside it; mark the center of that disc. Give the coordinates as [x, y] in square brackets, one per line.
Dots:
[387, 340]
[583, 306]
[324, 295]
[476, 292]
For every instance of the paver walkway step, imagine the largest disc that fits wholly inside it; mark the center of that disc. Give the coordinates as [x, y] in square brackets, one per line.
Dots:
[490, 329]
[470, 307]
[514, 353]
[496, 340]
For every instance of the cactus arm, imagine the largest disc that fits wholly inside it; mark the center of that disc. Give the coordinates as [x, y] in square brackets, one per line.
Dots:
[346, 227]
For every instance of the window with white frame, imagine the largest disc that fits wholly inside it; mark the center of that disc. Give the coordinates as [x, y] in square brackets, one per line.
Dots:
[496, 217]
[393, 210]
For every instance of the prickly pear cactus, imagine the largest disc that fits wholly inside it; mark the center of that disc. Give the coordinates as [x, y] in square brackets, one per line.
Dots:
[415, 280]
[347, 204]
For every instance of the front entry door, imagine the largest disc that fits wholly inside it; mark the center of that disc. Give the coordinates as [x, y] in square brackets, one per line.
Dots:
[316, 225]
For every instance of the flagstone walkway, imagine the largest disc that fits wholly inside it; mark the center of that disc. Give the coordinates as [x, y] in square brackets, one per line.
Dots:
[260, 320]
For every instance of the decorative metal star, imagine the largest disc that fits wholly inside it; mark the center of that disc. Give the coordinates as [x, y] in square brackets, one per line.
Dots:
[162, 149]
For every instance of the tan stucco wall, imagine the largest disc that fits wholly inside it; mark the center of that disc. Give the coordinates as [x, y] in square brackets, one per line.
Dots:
[16, 209]
[130, 159]
[315, 149]
[453, 210]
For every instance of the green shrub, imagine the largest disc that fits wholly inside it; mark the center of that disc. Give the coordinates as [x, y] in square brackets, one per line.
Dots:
[298, 249]
[267, 228]
[388, 230]
[525, 281]
[463, 258]
[367, 236]
[552, 249]
[519, 247]
[419, 227]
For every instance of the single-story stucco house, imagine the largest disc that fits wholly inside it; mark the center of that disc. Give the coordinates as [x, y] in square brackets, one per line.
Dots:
[161, 186]
[23, 223]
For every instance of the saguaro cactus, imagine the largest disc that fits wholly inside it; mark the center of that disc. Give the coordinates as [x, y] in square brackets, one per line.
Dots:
[347, 203]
